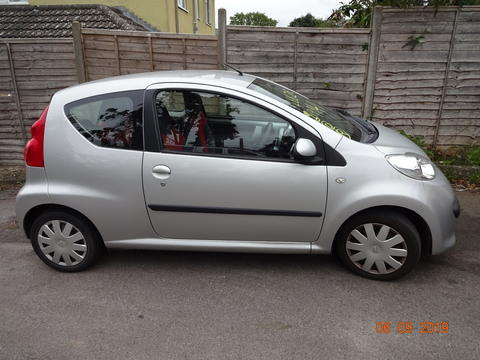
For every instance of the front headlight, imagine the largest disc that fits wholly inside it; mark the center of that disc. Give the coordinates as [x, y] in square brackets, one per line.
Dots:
[413, 165]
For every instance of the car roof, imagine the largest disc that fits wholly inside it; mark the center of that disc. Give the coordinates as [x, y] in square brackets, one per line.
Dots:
[229, 79]
[220, 77]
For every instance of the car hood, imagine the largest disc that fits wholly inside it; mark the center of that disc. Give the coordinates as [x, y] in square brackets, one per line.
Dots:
[390, 141]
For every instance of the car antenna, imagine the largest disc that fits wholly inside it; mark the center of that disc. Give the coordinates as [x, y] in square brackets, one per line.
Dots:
[234, 68]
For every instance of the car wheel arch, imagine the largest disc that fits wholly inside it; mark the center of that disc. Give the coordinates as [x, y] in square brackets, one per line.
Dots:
[34, 212]
[415, 218]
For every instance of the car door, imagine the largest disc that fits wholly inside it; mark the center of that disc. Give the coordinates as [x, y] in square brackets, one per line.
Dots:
[223, 169]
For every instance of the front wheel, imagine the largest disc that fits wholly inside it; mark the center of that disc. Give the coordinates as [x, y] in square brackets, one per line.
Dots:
[379, 245]
[64, 241]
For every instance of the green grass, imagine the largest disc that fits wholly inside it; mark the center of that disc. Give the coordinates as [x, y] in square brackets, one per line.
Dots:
[454, 155]
[474, 179]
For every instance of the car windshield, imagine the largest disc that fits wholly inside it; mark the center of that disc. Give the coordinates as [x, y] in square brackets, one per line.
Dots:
[352, 127]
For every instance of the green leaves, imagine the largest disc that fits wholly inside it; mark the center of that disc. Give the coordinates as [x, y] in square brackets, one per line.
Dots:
[310, 21]
[358, 13]
[413, 41]
[253, 19]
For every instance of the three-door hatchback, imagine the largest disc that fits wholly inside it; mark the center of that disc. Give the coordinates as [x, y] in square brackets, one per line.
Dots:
[224, 161]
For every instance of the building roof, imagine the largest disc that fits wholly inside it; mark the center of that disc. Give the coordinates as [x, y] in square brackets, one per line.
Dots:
[55, 21]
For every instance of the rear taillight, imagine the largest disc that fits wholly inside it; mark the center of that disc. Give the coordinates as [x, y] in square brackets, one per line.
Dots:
[34, 148]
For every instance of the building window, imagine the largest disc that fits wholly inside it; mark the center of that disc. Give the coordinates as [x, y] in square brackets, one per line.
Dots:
[182, 4]
[207, 12]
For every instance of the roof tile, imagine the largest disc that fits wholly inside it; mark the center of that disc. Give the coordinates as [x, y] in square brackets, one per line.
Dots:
[55, 21]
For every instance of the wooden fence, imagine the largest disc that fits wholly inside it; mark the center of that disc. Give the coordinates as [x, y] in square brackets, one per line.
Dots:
[31, 71]
[417, 70]
[116, 52]
[426, 79]
[327, 65]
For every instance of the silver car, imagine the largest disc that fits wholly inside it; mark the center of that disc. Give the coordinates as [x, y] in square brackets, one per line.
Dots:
[225, 161]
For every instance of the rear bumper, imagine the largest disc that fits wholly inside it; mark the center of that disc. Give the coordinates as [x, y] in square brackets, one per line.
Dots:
[32, 194]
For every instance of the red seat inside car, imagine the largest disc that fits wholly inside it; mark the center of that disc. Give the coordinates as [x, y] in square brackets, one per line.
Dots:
[192, 126]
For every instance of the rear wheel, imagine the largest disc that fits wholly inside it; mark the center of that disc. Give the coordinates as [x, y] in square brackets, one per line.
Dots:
[379, 245]
[65, 242]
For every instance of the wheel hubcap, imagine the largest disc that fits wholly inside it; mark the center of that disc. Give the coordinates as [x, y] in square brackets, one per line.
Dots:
[376, 248]
[62, 243]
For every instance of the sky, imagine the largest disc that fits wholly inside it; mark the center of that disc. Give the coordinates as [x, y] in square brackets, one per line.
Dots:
[282, 10]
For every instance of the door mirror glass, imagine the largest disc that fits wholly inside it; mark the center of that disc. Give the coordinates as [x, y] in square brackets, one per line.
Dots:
[304, 149]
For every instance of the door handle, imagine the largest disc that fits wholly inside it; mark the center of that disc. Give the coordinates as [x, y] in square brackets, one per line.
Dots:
[161, 172]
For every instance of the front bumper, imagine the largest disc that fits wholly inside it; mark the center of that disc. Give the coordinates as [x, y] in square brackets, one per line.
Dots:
[440, 209]
[456, 208]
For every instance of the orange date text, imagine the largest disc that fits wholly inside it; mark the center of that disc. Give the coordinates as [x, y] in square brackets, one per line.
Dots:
[409, 327]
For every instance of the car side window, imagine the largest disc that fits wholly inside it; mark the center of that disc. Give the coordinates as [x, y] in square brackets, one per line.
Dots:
[112, 120]
[201, 122]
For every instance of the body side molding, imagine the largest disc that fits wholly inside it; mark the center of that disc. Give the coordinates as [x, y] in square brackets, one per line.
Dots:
[218, 210]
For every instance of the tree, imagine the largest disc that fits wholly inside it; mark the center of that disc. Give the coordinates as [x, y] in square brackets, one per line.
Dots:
[310, 21]
[358, 13]
[252, 18]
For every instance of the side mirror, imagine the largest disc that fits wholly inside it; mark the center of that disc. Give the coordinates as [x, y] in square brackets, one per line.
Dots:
[304, 149]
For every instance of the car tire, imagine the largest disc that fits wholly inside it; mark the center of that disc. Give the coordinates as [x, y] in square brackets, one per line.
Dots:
[65, 242]
[379, 245]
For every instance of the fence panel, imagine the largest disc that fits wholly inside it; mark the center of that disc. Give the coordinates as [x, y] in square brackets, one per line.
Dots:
[111, 52]
[412, 62]
[427, 73]
[328, 65]
[460, 117]
[10, 131]
[31, 71]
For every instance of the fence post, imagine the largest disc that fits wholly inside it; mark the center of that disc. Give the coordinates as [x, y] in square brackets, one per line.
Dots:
[445, 79]
[373, 50]
[117, 53]
[78, 49]
[222, 38]
[295, 61]
[150, 51]
[184, 53]
[17, 95]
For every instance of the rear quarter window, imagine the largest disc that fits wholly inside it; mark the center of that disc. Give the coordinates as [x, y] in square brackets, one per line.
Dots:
[111, 120]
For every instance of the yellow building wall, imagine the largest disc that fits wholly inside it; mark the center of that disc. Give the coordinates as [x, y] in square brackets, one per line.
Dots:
[204, 28]
[158, 13]
[186, 17]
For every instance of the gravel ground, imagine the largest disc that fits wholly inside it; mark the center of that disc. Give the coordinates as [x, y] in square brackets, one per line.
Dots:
[174, 305]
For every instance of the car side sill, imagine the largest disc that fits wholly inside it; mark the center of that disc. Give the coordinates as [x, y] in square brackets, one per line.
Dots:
[213, 245]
